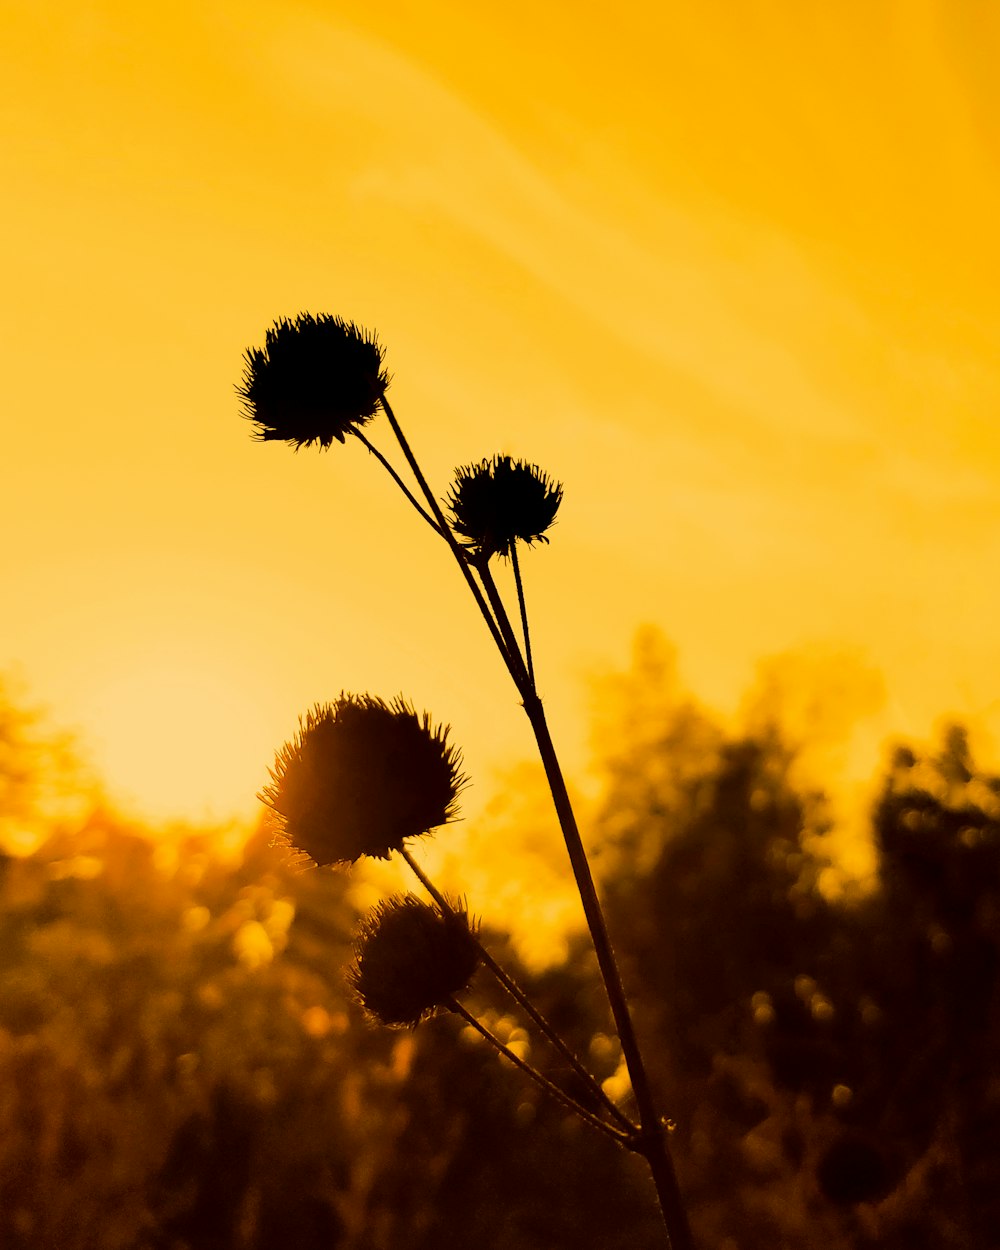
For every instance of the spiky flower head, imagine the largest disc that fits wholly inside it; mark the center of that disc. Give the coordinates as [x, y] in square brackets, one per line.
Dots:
[411, 958]
[359, 777]
[497, 502]
[314, 379]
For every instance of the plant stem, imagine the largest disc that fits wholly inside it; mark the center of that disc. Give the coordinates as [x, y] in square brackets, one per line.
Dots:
[515, 991]
[396, 478]
[652, 1144]
[449, 538]
[560, 1095]
[524, 685]
[524, 612]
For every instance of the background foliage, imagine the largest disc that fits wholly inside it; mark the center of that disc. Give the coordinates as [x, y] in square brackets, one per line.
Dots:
[183, 1069]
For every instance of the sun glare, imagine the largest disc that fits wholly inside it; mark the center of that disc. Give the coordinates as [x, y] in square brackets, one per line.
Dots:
[179, 741]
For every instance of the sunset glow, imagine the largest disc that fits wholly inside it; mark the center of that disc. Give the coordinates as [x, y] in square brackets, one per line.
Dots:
[729, 273]
[180, 737]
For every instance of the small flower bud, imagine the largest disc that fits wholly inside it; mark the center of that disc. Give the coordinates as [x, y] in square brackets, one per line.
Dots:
[314, 379]
[360, 776]
[411, 959]
[496, 502]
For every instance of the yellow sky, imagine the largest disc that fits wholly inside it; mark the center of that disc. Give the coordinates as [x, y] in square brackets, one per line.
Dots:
[730, 271]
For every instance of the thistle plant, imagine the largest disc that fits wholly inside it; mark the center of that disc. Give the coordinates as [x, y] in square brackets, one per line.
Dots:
[412, 959]
[363, 776]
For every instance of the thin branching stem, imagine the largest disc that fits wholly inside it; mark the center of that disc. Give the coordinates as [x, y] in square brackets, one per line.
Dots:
[524, 611]
[396, 478]
[524, 683]
[652, 1143]
[449, 537]
[519, 996]
[560, 1095]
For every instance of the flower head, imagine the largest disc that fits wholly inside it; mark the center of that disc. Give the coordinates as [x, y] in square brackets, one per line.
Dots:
[411, 959]
[313, 380]
[360, 776]
[496, 502]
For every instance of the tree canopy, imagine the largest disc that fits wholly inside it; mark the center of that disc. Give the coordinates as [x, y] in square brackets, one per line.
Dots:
[186, 1068]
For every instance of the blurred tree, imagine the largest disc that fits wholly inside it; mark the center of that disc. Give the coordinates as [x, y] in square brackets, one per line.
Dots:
[184, 1068]
[934, 957]
[830, 1061]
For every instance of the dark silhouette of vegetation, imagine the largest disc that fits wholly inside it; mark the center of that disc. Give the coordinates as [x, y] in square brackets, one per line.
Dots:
[349, 771]
[185, 1068]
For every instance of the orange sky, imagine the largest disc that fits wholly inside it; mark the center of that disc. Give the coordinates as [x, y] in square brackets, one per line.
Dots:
[730, 271]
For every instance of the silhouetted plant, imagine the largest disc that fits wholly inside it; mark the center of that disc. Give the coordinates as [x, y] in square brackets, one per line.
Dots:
[315, 380]
[412, 959]
[362, 776]
[497, 503]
